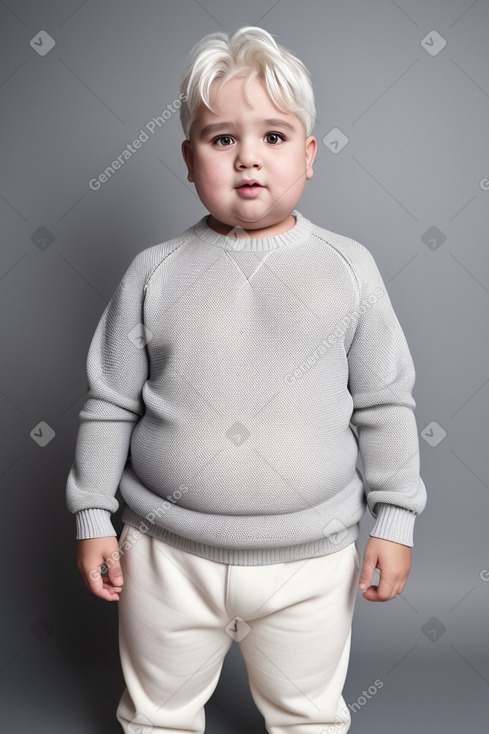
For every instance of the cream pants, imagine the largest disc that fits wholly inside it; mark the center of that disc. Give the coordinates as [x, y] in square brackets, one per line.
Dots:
[179, 615]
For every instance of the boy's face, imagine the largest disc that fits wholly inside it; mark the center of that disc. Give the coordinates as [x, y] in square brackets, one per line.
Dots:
[242, 143]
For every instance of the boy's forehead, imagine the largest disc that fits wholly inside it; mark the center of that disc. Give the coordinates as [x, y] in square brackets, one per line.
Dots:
[231, 103]
[239, 90]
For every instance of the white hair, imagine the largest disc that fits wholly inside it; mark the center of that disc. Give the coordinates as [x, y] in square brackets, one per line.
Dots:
[253, 50]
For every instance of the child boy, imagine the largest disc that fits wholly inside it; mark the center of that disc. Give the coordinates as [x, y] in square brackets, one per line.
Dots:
[224, 375]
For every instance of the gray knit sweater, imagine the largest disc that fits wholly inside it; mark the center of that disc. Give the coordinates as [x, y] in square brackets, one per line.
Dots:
[232, 384]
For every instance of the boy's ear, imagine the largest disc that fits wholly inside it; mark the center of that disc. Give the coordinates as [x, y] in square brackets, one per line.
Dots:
[188, 158]
[311, 150]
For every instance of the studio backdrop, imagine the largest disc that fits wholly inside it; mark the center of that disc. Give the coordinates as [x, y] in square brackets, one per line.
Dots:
[92, 174]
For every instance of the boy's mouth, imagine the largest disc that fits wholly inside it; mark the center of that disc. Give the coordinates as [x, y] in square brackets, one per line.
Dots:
[248, 182]
[249, 188]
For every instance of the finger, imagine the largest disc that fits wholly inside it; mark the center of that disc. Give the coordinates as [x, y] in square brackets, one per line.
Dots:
[385, 591]
[115, 571]
[99, 586]
[94, 581]
[389, 586]
[110, 593]
[367, 572]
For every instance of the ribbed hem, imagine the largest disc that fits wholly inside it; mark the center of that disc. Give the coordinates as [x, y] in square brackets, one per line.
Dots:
[394, 523]
[243, 556]
[93, 523]
[295, 236]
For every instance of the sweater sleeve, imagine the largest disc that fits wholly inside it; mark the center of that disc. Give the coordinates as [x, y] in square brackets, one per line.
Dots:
[381, 380]
[117, 367]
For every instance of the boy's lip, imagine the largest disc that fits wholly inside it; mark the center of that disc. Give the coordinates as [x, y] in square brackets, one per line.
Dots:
[249, 187]
[248, 182]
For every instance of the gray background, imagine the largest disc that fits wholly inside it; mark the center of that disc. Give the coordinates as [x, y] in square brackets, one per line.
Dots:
[415, 171]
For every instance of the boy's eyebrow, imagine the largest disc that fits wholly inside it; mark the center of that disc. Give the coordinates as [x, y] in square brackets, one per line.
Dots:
[216, 126]
[276, 121]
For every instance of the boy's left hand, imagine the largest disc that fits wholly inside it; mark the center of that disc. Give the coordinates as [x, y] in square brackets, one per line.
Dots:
[394, 562]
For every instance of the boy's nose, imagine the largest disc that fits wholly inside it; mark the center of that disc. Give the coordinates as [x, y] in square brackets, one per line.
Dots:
[247, 157]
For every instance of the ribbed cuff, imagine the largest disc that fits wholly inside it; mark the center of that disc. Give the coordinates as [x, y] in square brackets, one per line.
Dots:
[93, 523]
[394, 523]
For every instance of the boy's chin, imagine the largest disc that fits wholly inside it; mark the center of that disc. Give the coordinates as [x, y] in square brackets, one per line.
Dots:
[231, 228]
[242, 228]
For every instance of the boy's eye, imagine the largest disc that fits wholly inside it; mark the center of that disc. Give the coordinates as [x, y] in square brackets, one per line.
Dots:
[274, 138]
[226, 140]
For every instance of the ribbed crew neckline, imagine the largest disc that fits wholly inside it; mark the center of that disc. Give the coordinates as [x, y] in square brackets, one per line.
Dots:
[298, 233]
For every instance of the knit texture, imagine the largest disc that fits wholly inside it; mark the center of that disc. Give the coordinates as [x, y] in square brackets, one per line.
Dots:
[232, 385]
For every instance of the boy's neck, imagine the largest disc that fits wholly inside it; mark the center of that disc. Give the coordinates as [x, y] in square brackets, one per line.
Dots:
[239, 232]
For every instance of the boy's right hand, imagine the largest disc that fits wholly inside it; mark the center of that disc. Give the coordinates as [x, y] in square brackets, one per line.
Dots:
[92, 553]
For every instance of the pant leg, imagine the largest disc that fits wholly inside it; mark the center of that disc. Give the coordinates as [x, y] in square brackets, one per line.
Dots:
[297, 647]
[172, 636]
